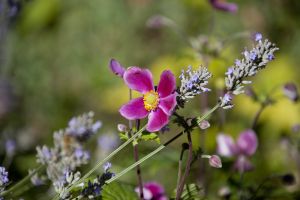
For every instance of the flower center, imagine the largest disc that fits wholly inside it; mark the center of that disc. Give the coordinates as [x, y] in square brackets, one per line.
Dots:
[151, 100]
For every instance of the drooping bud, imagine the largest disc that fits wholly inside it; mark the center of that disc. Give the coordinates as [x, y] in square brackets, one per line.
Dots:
[117, 68]
[204, 124]
[122, 128]
[291, 92]
[215, 161]
[224, 6]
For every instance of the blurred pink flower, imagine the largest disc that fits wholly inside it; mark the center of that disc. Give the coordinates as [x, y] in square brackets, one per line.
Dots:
[156, 104]
[153, 191]
[244, 147]
[224, 6]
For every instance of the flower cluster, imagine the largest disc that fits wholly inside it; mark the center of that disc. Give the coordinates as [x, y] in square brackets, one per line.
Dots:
[94, 189]
[193, 82]
[83, 127]
[253, 61]
[245, 147]
[3, 178]
[157, 102]
[68, 152]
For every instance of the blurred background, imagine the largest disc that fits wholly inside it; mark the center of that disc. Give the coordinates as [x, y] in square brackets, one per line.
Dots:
[54, 58]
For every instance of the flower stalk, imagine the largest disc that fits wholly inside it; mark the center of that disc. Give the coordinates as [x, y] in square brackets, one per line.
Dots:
[22, 182]
[187, 167]
[161, 147]
[100, 163]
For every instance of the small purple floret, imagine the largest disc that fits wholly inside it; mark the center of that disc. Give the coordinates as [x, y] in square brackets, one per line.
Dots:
[230, 70]
[3, 176]
[258, 37]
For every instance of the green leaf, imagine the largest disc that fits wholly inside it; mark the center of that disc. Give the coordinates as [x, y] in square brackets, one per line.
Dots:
[191, 192]
[124, 136]
[118, 191]
[150, 136]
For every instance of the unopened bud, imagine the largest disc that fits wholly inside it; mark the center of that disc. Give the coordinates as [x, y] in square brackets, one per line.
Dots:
[291, 92]
[215, 161]
[122, 128]
[117, 68]
[204, 124]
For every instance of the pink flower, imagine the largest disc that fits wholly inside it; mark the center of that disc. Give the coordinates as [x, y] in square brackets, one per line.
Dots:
[245, 147]
[156, 104]
[153, 191]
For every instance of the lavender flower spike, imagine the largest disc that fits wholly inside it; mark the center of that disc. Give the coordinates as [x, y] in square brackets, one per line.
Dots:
[252, 62]
[3, 176]
[193, 83]
[224, 6]
[117, 68]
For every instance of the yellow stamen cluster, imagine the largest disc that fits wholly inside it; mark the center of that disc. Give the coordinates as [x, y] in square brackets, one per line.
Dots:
[151, 100]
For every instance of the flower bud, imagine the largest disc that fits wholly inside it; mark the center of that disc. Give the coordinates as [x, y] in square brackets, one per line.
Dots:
[117, 68]
[122, 128]
[215, 161]
[291, 92]
[204, 124]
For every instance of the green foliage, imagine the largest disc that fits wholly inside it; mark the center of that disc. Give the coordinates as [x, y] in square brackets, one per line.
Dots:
[150, 136]
[191, 192]
[118, 191]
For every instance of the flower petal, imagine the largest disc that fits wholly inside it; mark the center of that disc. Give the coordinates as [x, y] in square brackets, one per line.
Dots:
[167, 84]
[247, 142]
[224, 6]
[156, 189]
[168, 103]
[157, 120]
[134, 109]
[225, 145]
[138, 79]
[116, 67]
[242, 164]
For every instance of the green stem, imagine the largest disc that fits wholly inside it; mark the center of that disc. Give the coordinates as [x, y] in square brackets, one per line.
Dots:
[161, 147]
[136, 164]
[21, 182]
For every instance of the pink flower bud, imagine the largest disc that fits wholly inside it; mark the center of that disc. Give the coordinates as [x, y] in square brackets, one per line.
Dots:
[204, 124]
[215, 161]
[117, 68]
